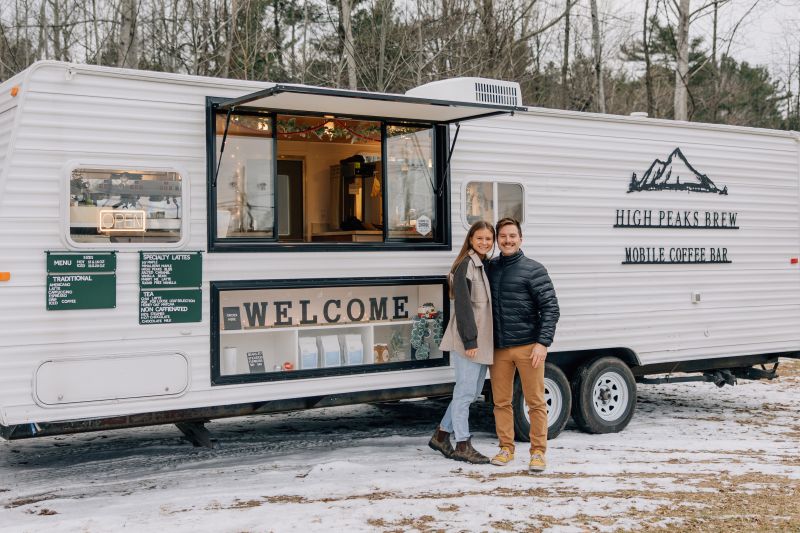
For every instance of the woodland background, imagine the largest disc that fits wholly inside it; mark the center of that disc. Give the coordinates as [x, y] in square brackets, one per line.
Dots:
[608, 56]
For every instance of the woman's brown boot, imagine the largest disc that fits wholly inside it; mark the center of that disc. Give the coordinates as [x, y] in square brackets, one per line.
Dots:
[441, 443]
[465, 452]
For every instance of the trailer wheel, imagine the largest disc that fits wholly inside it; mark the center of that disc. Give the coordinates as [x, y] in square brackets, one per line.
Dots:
[603, 396]
[559, 402]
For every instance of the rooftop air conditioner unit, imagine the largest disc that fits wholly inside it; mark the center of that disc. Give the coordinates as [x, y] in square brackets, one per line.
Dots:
[473, 90]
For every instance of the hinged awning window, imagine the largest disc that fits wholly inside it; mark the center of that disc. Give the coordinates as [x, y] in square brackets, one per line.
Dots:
[304, 99]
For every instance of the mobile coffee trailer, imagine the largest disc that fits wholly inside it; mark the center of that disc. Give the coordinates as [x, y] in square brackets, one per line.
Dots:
[175, 248]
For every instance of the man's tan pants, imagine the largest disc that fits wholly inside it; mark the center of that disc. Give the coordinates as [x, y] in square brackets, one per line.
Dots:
[506, 361]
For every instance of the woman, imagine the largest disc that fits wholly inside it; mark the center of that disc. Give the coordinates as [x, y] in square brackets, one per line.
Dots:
[468, 338]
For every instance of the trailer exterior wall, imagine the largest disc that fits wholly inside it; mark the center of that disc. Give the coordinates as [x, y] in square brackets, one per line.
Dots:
[575, 169]
[134, 118]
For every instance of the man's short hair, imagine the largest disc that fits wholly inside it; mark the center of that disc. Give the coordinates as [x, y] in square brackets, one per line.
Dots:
[507, 222]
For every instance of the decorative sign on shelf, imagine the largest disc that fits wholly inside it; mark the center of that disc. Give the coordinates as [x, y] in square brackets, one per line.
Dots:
[231, 318]
[255, 361]
[170, 287]
[81, 280]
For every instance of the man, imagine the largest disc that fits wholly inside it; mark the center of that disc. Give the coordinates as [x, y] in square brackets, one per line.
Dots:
[525, 313]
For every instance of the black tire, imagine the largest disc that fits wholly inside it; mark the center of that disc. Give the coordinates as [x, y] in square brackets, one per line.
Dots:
[559, 395]
[603, 396]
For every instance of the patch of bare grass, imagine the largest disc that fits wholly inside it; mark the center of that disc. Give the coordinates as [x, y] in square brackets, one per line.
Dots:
[449, 508]
[422, 523]
[245, 504]
[767, 504]
[789, 368]
[28, 500]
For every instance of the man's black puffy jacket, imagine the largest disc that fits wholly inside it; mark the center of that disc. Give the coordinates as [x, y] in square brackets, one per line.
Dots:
[524, 303]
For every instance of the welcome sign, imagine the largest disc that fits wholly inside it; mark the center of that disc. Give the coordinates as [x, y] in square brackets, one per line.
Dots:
[275, 308]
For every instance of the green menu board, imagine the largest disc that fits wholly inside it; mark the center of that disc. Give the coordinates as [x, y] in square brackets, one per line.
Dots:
[170, 270]
[81, 291]
[169, 287]
[81, 280]
[170, 306]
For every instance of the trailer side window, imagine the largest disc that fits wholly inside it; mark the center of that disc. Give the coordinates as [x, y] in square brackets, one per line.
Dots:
[319, 181]
[125, 205]
[491, 201]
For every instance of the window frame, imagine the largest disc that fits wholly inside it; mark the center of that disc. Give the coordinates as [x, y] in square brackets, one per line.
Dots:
[442, 231]
[495, 183]
[105, 164]
[215, 287]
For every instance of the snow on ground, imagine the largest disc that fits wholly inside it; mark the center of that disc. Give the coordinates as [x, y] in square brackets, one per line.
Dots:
[694, 458]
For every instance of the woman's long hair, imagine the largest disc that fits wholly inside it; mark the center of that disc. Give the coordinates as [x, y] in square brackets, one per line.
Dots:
[467, 246]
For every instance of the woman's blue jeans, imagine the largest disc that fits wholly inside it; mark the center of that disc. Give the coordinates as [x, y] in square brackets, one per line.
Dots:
[469, 383]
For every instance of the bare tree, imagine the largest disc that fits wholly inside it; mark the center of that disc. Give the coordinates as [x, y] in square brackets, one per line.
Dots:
[277, 38]
[648, 68]
[229, 39]
[565, 61]
[385, 10]
[349, 48]
[41, 51]
[128, 54]
[682, 60]
[600, 95]
[392, 46]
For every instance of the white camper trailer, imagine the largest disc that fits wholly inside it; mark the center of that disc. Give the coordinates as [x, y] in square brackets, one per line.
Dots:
[176, 248]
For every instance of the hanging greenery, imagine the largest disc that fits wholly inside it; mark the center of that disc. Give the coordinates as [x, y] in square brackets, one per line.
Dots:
[330, 130]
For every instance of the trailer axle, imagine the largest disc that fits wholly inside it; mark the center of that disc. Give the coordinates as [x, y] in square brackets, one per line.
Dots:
[720, 378]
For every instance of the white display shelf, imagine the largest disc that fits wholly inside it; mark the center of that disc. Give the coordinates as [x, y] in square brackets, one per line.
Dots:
[279, 346]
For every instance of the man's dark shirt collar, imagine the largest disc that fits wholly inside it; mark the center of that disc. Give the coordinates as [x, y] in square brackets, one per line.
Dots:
[511, 259]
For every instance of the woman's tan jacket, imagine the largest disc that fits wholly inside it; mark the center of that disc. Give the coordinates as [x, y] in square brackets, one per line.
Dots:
[470, 323]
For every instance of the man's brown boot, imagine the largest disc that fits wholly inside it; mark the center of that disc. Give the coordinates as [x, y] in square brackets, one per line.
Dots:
[441, 443]
[465, 452]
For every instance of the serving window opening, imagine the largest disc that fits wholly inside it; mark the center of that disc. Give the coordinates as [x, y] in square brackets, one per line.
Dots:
[310, 180]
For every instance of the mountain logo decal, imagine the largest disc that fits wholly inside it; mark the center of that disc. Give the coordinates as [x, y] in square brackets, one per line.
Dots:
[674, 174]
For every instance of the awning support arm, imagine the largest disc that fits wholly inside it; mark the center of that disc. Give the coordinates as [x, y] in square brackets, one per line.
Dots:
[222, 147]
[440, 189]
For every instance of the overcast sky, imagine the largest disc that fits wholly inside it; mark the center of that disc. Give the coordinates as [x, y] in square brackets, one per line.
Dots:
[768, 35]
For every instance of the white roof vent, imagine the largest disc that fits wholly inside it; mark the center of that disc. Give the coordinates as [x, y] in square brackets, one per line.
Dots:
[474, 90]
